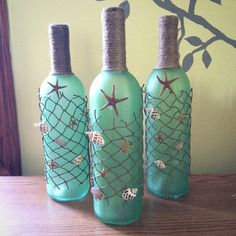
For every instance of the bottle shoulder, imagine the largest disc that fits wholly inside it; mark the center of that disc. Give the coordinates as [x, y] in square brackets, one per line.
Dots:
[64, 83]
[122, 80]
[175, 78]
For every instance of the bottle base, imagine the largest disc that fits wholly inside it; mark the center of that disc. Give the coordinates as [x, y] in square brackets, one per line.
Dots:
[111, 222]
[168, 197]
[69, 199]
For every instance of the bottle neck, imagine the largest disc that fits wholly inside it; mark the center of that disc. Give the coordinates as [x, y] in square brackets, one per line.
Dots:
[59, 49]
[114, 53]
[168, 46]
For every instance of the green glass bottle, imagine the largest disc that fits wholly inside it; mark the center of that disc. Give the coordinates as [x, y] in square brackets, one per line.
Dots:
[64, 124]
[168, 119]
[116, 130]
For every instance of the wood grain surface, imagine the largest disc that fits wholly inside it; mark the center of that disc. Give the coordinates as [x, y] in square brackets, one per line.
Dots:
[209, 209]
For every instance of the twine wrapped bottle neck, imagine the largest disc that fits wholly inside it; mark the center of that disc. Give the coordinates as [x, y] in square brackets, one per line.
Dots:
[114, 53]
[59, 49]
[168, 47]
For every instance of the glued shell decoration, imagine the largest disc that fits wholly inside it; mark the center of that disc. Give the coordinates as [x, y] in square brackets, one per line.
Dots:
[97, 193]
[43, 127]
[60, 142]
[78, 160]
[153, 113]
[179, 145]
[160, 164]
[125, 146]
[96, 138]
[129, 193]
[53, 165]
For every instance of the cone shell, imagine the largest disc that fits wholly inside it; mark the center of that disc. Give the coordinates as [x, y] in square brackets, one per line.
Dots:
[96, 138]
[153, 113]
[129, 193]
[43, 127]
[97, 193]
[160, 164]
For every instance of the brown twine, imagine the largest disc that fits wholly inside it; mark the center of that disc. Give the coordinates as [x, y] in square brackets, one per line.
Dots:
[59, 49]
[168, 48]
[114, 54]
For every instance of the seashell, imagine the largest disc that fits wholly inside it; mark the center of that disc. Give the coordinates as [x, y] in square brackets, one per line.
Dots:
[43, 127]
[103, 172]
[179, 145]
[78, 160]
[97, 193]
[96, 138]
[153, 113]
[53, 165]
[129, 193]
[160, 164]
[125, 146]
[60, 142]
[181, 117]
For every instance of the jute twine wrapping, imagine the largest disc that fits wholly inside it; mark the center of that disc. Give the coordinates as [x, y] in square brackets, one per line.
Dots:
[59, 49]
[168, 48]
[114, 54]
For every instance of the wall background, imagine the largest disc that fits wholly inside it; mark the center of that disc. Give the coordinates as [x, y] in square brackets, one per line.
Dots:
[214, 104]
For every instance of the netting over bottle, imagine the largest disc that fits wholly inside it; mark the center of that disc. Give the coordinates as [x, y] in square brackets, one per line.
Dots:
[168, 125]
[63, 126]
[116, 158]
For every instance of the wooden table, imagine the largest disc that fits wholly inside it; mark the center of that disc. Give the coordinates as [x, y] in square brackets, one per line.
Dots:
[210, 209]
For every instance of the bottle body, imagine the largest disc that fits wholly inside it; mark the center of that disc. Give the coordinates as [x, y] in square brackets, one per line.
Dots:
[168, 122]
[64, 125]
[117, 159]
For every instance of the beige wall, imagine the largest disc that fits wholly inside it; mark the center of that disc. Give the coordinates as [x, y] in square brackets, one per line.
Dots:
[214, 105]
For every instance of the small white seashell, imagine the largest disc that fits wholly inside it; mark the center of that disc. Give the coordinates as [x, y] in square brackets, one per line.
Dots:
[153, 113]
[179, 145]
[97, 193]
[78, 160]
[129, 193]
[96, 138]
[53, 165]
[160, 164]
[43, 127]
[60, 142]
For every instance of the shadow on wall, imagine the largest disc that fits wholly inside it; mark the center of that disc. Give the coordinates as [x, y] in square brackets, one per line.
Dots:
[195, 40]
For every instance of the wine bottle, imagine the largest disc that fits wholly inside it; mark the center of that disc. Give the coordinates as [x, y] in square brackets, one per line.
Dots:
[168, 119]
[116, 130]
[63, 123]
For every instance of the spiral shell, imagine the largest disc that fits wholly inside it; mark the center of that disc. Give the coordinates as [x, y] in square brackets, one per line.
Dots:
[42, 127]
[78, 160]
[153, 113]
[60, 142]
[160, 164]
[96, 138]
[125, 146]
[97, 193]
[179, 145]
[129, 194]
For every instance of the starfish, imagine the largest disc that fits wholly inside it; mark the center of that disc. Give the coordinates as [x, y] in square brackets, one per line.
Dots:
[166, 83]
[56, 88]
[112, 100]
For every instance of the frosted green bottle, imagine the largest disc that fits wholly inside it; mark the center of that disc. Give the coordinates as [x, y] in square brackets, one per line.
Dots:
[116, 130]
[168, 119]
[64, 124]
